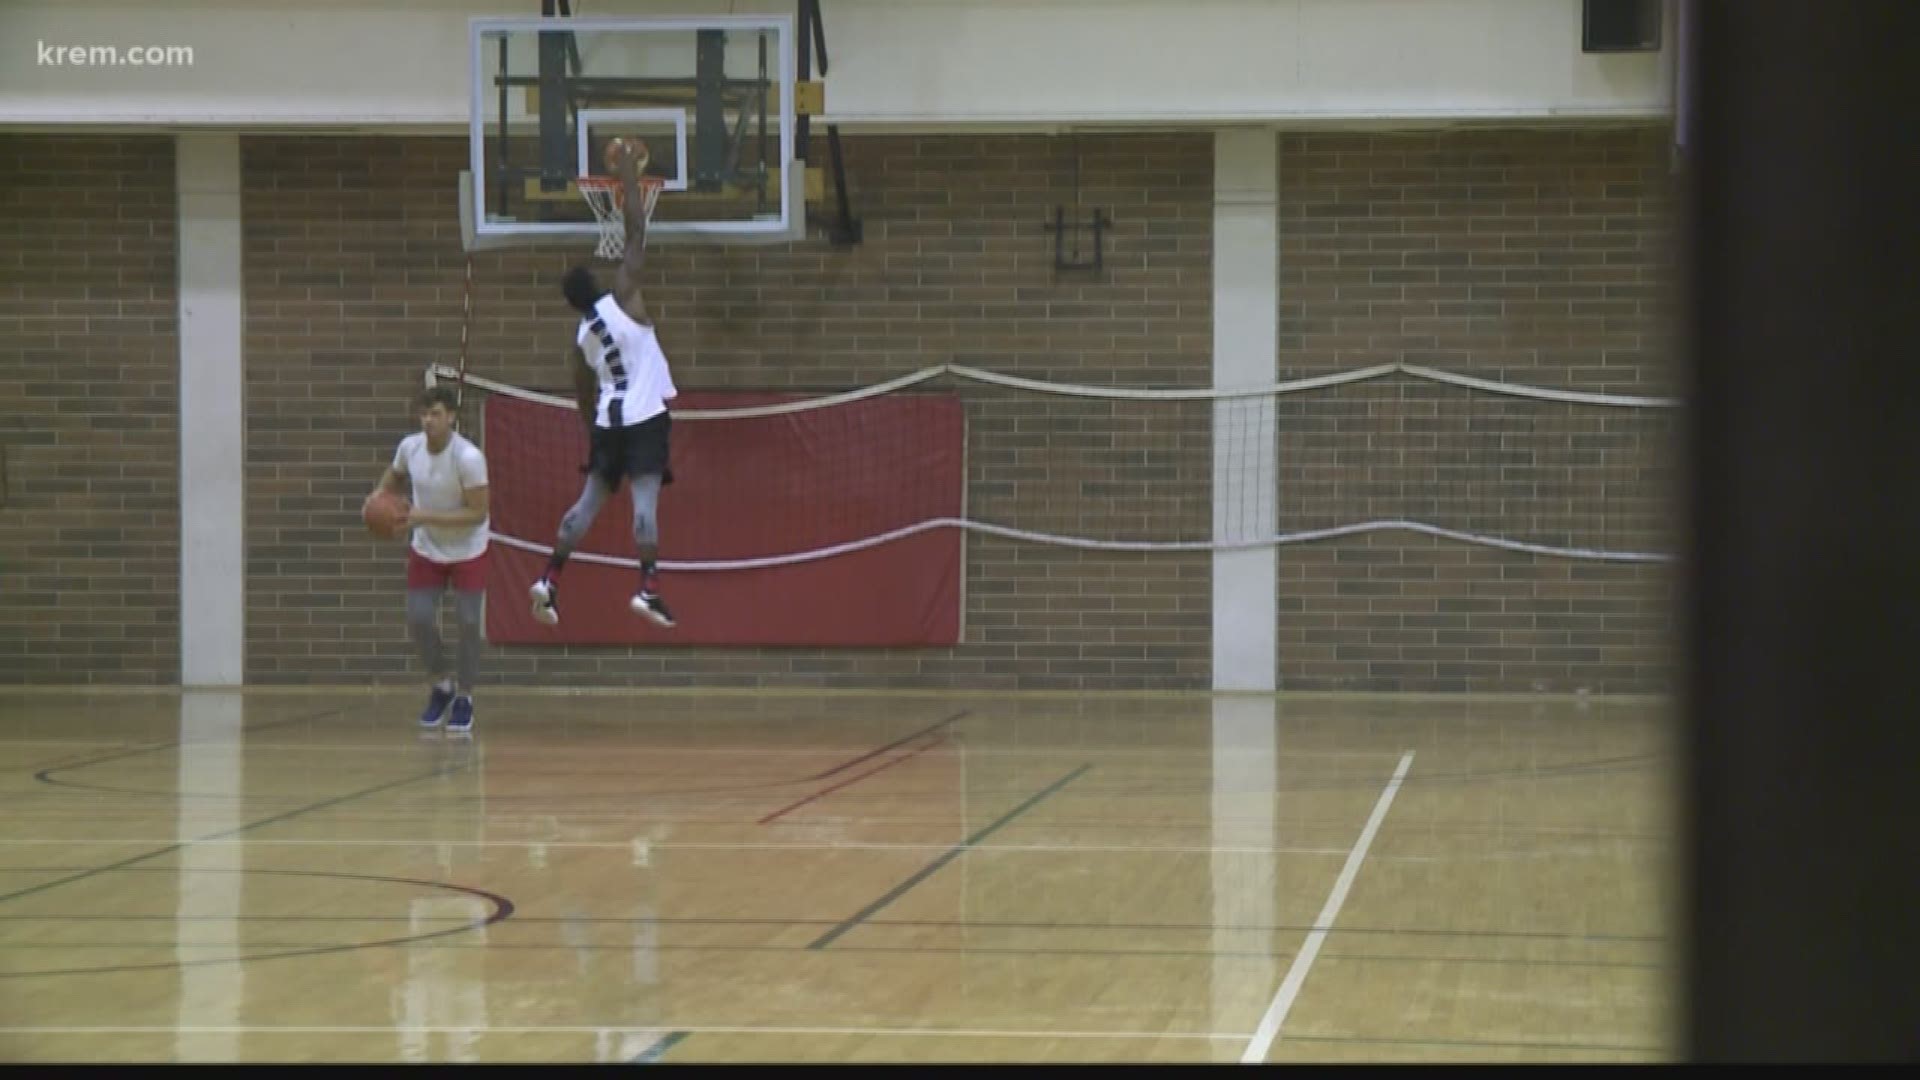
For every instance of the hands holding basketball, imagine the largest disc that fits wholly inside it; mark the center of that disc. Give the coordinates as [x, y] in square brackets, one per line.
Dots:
[387, 515]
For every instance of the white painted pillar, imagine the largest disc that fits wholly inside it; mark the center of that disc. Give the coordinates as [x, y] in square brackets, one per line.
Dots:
[212, 413]
[211, 887]
[1245, 870]
[1246, 315]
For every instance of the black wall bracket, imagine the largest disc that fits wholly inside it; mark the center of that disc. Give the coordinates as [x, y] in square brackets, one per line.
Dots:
[1079, 245]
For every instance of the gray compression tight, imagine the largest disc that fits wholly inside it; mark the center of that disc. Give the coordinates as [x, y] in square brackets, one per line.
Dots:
[423, 622]
[646, 512]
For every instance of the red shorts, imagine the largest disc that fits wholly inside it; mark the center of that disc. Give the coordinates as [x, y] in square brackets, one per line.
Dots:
[468, 576]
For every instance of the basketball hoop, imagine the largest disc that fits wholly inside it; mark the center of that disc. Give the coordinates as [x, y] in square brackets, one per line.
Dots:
[605, 198]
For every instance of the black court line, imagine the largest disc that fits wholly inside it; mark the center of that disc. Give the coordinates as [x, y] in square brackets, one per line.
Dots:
[503, 909]
[45, 776]
[277, 818]
[850, 781]
[659, 1049]
[1122, 789]
[951, 854]
[623, 795]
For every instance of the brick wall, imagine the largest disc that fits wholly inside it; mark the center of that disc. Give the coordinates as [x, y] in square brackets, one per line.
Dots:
[1536, 257]
[1529, 256]
[354, 282]
[89, 406]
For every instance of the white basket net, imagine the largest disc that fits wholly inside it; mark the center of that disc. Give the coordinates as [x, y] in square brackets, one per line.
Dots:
[605, 199]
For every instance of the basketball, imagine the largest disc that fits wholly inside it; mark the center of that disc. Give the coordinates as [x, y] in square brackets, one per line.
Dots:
[385, 514]
[618, 147]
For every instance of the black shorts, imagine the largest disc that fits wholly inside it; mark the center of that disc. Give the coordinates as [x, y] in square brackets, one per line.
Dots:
[622, 453]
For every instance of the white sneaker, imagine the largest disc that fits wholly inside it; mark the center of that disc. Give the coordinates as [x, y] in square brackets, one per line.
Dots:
[651, 606]
[543, 594]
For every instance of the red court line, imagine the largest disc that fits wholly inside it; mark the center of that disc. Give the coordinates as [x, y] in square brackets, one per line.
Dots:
[901, 741]
[856, 778]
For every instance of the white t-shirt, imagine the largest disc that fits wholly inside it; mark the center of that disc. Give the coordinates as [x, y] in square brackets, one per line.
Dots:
[635, 384]
[440, 482]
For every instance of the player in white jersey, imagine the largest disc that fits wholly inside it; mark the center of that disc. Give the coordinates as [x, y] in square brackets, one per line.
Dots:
[445, 478]
[622, 385]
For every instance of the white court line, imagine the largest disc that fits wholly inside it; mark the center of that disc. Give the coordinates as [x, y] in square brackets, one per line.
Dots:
[986, 849]
[1283, 999]
[623, 845]
[533, 750]
[697, 1029]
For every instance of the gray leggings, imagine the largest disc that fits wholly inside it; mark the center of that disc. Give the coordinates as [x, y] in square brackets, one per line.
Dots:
[646, 512]
[423, 622]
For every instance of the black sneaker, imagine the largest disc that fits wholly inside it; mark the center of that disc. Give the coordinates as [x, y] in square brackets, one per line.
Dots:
[649, 604]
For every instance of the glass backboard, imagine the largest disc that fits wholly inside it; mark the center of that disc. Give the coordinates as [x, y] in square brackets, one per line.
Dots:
[712, 97]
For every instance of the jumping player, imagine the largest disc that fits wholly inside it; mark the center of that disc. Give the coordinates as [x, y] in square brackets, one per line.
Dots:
[622, 384]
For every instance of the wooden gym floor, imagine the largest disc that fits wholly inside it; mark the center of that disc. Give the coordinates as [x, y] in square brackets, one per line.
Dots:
[305, 876]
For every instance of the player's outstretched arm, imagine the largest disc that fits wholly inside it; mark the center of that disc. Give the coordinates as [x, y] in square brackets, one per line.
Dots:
[627, 280]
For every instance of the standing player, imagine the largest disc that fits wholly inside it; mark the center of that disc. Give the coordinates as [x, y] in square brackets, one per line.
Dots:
[448, 523]
[622, 384]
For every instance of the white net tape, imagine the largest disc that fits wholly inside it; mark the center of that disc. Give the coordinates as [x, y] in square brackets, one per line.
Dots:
[961, 371]
[1251, 485]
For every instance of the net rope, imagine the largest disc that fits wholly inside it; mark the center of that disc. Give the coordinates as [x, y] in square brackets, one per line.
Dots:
[1606, 435]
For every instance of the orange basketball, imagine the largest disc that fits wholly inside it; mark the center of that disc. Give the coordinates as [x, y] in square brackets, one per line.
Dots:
[385, 514]
[618, 147]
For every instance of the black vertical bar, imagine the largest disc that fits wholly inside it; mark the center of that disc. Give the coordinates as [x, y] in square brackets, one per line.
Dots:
[803, 42]
[1684, 57]
[559, 156]
[819, 34]
[709, 109]
[847, 230]
[1804, 556]
[573, 43]
[502, 148]
[766, 151]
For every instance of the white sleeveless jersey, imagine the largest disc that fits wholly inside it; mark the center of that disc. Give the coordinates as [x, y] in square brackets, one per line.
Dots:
[635, 384]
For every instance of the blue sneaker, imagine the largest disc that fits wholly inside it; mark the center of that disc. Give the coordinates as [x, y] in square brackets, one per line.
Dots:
[436, 708]
[462, 718]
